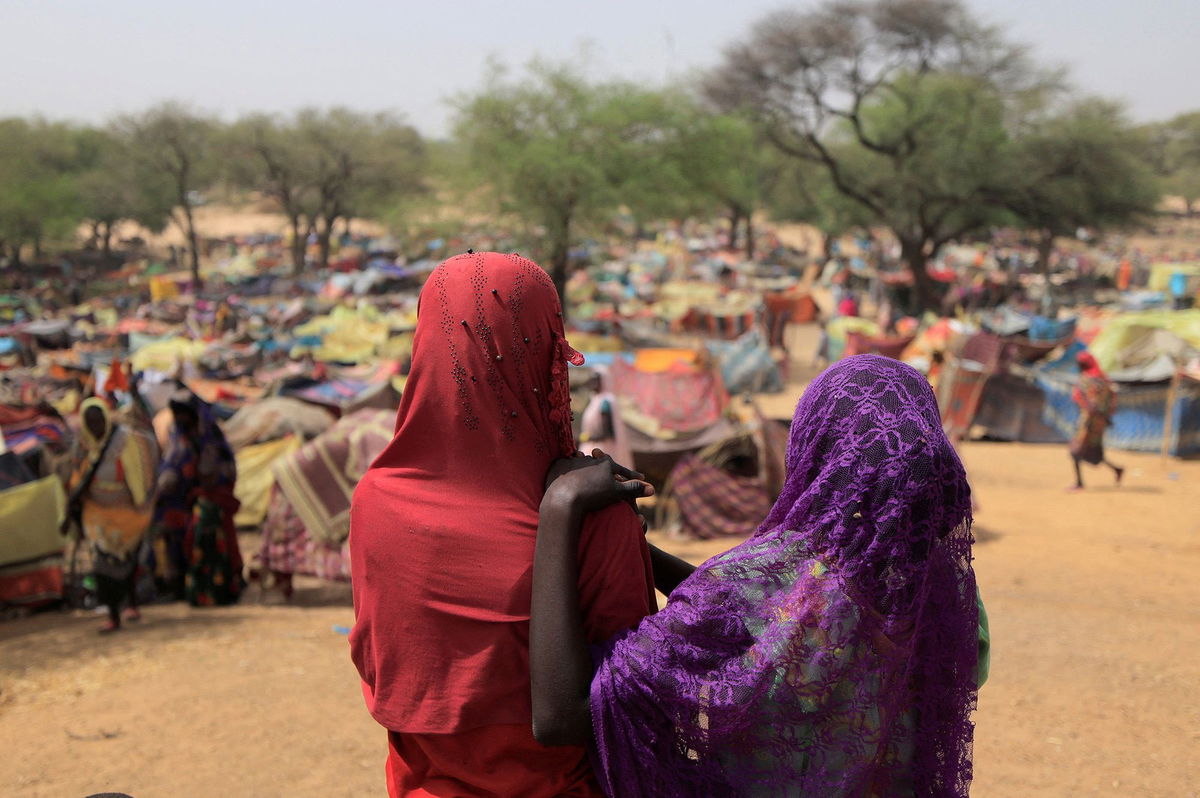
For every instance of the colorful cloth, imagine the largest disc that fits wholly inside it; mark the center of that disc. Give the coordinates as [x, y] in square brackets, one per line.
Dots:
[714, 503]
[442, 532]
[835, 652]
[256, 477]
[678, 400]
[319, 479]
[288, 548]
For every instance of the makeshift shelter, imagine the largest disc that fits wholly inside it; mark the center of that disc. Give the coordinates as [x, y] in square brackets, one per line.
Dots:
[275, 417]
[256, 477]
[30, 544]
[308, 518]
[747, 365]
[727, 488]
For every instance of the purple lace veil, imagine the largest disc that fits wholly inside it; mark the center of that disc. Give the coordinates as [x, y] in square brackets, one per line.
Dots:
[833, 653]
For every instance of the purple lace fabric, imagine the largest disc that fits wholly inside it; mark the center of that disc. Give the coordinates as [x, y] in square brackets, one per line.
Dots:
[834, 652]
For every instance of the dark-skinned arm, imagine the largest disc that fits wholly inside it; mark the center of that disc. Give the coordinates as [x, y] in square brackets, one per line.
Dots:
[560, 665]
[669, 570]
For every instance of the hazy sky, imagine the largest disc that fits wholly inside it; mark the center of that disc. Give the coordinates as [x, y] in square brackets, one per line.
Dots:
[88, 59]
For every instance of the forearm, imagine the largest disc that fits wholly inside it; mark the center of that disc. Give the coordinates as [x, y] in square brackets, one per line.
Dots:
[559, 662]
[669, 570]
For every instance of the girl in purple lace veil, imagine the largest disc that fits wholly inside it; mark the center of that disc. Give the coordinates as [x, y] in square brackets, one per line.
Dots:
[834, 652]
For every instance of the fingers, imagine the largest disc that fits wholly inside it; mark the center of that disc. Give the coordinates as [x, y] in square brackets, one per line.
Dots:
[619, 470]
[636, 488]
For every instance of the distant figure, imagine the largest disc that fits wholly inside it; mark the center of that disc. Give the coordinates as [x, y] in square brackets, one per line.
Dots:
[1096, 401]
[194, 513]
[1124, 275]
[1178, 285]
[112, 501]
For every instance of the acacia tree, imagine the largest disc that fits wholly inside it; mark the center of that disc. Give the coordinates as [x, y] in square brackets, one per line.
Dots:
[357, 163]
[904, 103]
[38, 198]
[271, 157]
[109, 190]
[1079, 168]
[728, 169]
[169, 141]
[1174, 151]
[540, 147]
[559, 153]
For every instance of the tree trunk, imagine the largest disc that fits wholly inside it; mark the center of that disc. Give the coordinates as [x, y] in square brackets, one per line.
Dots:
[912, 253]
[16, 253]
[750, 236]
[93, 236]
[1045, 249]
[827, 240]
[324, 234]
[193, 244]
[37, 249]
[299, 245]
[560, 257]
[106, 240]
[735, 221]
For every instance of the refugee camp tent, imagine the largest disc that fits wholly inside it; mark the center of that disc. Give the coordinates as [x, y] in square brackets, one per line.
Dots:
[308, 519]
[30, 544]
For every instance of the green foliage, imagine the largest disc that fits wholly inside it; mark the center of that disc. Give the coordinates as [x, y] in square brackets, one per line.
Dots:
[1082, 167]
[37, 164]
[1173, 149]
[171, 151]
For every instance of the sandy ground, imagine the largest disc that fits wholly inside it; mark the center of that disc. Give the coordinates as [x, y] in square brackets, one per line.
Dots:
[1095, 686]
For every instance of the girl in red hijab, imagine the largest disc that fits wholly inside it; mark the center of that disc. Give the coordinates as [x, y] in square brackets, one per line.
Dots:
[442, 533]
[1097, 401]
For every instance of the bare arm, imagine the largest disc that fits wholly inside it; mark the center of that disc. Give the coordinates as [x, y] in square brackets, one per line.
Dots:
[669, 570]
[560, 666]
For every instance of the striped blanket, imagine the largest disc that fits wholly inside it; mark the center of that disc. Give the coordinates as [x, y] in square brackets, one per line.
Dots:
[319, 479]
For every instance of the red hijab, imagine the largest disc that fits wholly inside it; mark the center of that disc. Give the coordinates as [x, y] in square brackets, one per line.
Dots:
[1088, 366]
[442, 526]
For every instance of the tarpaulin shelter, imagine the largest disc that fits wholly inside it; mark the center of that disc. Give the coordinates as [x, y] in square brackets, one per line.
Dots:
[746, 364]
[256, 477]
[30, 544]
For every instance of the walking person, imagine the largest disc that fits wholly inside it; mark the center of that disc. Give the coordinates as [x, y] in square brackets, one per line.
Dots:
[111, 500]
[1097, 402]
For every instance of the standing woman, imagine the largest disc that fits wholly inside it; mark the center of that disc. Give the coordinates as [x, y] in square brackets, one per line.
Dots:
[836, 652]
[442, 532]
[1097, 402]
[196, 506]
[112, 499]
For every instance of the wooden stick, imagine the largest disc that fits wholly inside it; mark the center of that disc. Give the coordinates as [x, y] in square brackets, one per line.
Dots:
[1169, 416]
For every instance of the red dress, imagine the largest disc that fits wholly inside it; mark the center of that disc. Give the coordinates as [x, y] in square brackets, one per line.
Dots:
[442, 532]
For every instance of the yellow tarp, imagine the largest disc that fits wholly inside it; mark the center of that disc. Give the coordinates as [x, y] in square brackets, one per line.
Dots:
[162, 288]
[1160, 274]
[164, 355]
[1122, 331]
[255, 477]
[30, 515]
